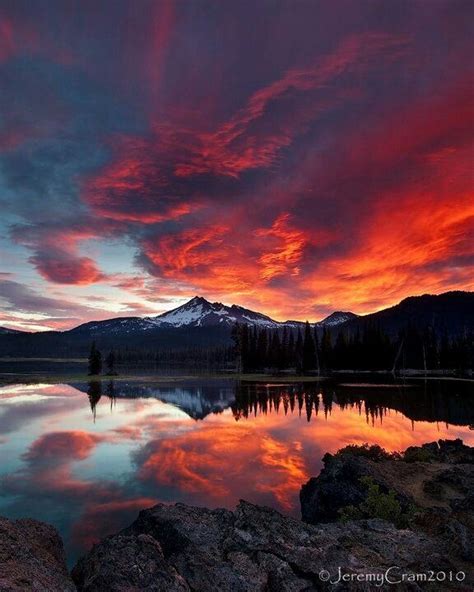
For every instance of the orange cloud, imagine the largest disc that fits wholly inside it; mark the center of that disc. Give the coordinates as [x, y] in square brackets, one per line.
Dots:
[238, 145]
[270, 454]
[284, 258]
[71, 445]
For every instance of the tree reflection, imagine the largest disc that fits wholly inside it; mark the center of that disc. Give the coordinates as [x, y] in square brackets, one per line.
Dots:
[94, 392]
[434, 403]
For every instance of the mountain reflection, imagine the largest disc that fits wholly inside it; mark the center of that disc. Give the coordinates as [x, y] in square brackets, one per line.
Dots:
[432, 401]
[196, 400]
[86, 457]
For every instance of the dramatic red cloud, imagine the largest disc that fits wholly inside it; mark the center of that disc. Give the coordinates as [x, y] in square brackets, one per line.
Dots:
[157, 168]
[56, 253]
[140, 169]
[287, 252]
[216, 258]
[408, 224]
[418, 231]
[196, 462]
[68, 270]
[72, 445]
[321, 163]
[239, 144]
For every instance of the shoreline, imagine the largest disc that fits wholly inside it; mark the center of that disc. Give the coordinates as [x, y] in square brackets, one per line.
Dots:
[63, 378]
[361, 514]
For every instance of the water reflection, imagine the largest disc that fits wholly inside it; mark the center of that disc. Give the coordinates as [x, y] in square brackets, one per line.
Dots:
[432, 401]
[87, 456]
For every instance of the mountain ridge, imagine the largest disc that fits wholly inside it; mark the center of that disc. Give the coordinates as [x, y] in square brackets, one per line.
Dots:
[199, 312]
[202, 324]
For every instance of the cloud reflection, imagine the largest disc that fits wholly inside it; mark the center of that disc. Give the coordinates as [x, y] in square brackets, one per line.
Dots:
[90, 479]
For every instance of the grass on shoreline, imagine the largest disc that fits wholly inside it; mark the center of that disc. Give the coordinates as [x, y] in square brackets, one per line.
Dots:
[39, 378]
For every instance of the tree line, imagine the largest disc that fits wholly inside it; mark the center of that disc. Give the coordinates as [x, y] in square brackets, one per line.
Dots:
[313, 350]
[95, 362]
[306, 350]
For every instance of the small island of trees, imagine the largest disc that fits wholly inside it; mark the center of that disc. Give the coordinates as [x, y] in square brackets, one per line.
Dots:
[95, 362]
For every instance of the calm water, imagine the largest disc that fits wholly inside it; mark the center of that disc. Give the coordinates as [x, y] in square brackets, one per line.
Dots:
[86, 457]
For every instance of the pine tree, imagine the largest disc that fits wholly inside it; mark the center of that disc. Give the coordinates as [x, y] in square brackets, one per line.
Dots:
[283, 358]
[262, 349]
[316, 350]
[340, 351]
[309, 351]
[236, 336]
[95, 361]
[299, 351]
[290, 355]
[326, 349]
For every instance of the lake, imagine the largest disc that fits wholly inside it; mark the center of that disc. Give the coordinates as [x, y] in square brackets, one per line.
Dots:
[86, 457]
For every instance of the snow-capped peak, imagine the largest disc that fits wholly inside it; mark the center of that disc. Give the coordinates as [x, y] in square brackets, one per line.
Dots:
[337, 318]
[199, 312]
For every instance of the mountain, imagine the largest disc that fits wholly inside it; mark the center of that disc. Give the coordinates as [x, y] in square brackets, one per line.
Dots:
[337, 318]
[197, 323]
[198, 312]
[203, 324]
[7, 331]
[451, 313]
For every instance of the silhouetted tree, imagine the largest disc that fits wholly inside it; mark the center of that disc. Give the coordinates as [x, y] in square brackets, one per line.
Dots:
[299, 352]
[94, 392]
[326, 349]
[95, 361]
[316, 350]
[309, 351]
[291, 358]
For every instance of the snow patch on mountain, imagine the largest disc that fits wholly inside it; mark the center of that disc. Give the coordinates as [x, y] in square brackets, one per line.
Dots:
[336, 318]
[199, 312]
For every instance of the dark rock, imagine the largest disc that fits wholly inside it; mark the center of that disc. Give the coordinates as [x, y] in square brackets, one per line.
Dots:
[250, 550]
[439, 488]
[32, 558]
[445, 477]
[127, 563]
[455, 452]
[339, 485]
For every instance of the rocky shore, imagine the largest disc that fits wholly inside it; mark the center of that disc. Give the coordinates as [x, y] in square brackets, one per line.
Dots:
[368, 512]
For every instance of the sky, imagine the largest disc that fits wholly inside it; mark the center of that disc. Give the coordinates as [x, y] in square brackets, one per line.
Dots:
[294, 157]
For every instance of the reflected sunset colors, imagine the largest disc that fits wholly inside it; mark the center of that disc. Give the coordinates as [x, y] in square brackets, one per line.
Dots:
[86, 458]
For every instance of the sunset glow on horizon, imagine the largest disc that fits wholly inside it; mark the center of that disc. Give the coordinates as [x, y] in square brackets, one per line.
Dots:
[292, 158]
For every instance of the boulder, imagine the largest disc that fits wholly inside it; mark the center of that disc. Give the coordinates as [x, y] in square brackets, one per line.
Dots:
[249, 550]
[434, 482]
[127, 563]
[32, 558]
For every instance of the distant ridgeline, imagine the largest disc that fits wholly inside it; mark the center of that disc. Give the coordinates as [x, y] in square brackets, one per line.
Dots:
[422, 332]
